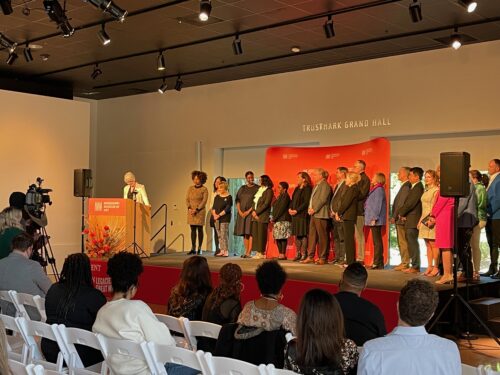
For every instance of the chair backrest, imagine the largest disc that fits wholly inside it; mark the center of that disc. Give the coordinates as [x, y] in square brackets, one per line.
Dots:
[5, 296]
[68, 337]
[160, 354]
[21, 300]
[16, 349]
[271, 370]
[18, 368]
[230, 366]
[194, 328]
[40, 305]
[40, 370]
[176, 325]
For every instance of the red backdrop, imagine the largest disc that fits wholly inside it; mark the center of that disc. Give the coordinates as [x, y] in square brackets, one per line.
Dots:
[283, 164]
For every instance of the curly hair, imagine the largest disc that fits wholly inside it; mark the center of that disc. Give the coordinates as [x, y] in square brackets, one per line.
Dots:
[229, 283]
[417, 302]
[124, 269]
[201, 175]
[270, 277]
[195, 281]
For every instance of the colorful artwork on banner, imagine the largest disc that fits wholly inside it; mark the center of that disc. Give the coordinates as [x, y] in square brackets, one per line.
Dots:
[283, 164]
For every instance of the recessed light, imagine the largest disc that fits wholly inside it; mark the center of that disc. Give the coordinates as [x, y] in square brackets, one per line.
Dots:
[44, 56]
[295, 49]
[35, 46]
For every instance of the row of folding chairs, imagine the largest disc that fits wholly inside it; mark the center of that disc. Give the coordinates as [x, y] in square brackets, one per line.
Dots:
[21, 300]
[18, 368]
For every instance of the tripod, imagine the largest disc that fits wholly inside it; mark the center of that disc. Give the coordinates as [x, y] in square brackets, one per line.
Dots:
[137, 249]
[455, 297]
[83, 225]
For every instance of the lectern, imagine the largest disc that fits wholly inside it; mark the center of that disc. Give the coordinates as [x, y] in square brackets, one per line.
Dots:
[118, 215]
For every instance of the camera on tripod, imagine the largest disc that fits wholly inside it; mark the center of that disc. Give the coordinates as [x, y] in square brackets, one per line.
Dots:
[36, 200]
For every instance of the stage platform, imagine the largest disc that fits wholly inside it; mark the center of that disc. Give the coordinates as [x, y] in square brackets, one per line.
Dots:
[162, 272]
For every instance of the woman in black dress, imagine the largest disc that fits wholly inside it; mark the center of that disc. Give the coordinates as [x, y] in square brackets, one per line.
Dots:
[260, 216]
[244, 204]
[347, 215]
[217, 180]
[298, 211]
[282, 219]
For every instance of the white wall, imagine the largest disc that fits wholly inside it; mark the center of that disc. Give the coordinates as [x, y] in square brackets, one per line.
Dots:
[49, 138]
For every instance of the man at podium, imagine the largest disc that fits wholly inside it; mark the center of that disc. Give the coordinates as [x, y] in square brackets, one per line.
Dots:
[133, 187]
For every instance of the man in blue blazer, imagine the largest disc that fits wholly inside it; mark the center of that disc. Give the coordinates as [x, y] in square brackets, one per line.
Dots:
[493, 211]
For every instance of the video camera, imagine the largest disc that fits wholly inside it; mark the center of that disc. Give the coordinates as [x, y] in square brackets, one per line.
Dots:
[36, 200]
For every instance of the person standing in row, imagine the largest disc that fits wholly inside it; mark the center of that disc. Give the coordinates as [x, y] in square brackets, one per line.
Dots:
[426, 230]
[260, 216]
[281, 219]
[132, 188]
[244, 206]
[364, 189]
[375, 217]
[400, 225]
[298, 211]
[338, 229]
[196, 201]
[212, 223]
[347, 215]
[466, 221]
[493, 211]
[221, 213]
[318, 210]
[480, 182]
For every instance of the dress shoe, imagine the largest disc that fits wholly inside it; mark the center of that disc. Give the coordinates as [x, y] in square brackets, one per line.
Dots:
[297, 258]
[258, 256]
[491, 271]
[199, 252]
[304, 257]
[192, 252]
[412, 271]
[321, 262]
[496, 276]
[375, 267]
[307, 261]
[400, 267]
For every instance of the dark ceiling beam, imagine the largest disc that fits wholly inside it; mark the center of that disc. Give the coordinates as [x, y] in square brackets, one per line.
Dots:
[350, 9]
[316, 50]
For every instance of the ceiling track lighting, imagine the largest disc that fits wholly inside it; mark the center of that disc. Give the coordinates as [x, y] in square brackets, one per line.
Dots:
[96, 72]
[6, 6]
[163, 87]
[161, 62]
[470, 5]
[456, 40]
[415, 9]
[237, 46]
[328, 28]
[58, 15]
[107, 6]
[5, 42]
[103, 35]
[27, 53]
[179, 84]
[12, 58]
[205, 10]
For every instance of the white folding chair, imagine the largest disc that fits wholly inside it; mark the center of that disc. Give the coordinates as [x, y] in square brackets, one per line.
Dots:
[16, 349]
[40, 370]
[68, 337]
[40, 305]
[21, 300]
[271, 370]
[6, 300]
[176, 325]
[194, 328]
[230, 366]
[160, 354]
[18, 368]
[119, 348]
[32, 331]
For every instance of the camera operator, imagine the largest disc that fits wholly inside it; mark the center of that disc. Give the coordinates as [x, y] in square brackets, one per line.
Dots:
[10, 227]
[18, 272]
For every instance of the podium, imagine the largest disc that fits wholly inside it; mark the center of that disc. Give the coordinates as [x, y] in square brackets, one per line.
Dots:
[118, 215]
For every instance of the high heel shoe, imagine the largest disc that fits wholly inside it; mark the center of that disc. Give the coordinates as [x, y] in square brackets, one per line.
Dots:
[445, 280]
[434, 273]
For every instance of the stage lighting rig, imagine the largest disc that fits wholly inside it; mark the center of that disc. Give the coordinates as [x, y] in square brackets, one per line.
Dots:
[107, 6]
[7, 43]
[58, 15]
[415, 10]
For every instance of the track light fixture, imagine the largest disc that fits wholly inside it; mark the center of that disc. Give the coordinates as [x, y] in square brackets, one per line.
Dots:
[27, 53]
[456, 40]
[6, 6]
[107, 6]
[179, 84]
[12, 57]
[103, 35]
[415, 9]
[161, 62]
[163, 87]
[470, 5]
[97, 72]
[237, 46]
[205, 10]
[7, 43]
[58, 15]
[328, 28]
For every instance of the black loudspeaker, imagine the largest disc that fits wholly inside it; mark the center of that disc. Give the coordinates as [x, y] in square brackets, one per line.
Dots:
[454, 174]
[82, 183]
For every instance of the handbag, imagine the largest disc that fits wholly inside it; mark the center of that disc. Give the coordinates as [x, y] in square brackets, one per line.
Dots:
[427, 222]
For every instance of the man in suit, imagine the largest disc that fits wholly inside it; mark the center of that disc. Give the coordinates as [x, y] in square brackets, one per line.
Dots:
[364, 189]
[410, 213]
[493, 211]
[338, 229]
[399, 199]
[320, 217]
[467, 220]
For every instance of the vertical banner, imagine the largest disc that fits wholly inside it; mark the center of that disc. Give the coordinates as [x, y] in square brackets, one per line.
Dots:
[283, 164]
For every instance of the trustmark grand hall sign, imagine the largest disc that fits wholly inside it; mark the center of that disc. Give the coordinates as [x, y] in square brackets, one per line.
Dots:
[346, 125]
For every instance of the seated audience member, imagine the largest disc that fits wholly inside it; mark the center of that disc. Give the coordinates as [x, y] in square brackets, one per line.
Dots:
[74, 302]
[188, 296]
[18, 272]
[223, 304]
[362, 319]
[10, 226]
[409, 349]
[124, 318]
[321, 347]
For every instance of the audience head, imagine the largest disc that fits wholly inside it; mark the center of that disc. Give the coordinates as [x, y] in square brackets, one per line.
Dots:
[378, 178]
[11, 217]
[249, 176]
[341, 173]
[493, 166]
[282, 186]
[124, 269]
[431, 178]
[270, 278]
[129, 178]
[23, 243]
[359, 166]
[218, 180]
[477, 176]
[403, 174]
[198, 177]
[354, 278]
[303, 178]
[266, 181]
[194, 281]
[17, 200]
[416, 174]
[417, 302]
[230, 285]
[320, 330]
[352, 178]
[223, 186]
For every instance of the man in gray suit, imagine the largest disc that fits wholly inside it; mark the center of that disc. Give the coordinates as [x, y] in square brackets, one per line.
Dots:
[18, 272]
[320, 217]
[338, 228]
[399, 199]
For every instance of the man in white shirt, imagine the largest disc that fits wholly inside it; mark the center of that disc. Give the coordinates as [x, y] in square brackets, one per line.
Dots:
[409, 349]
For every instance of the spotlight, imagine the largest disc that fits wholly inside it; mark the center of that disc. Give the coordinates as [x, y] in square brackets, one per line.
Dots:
[205, 9]
[108, 6]
[163, 87]
[469, 5]
[179, 84]
[12, 57]
[96, 73]
[27, 54]
[328, 28]
[6, 6]
[415, 11]
[58, 15]
[237, 47]
[103, 35]
[456, 40]
[7, 43]
[161, 62]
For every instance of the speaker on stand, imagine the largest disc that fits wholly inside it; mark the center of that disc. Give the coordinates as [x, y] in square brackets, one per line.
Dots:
[82, 188]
